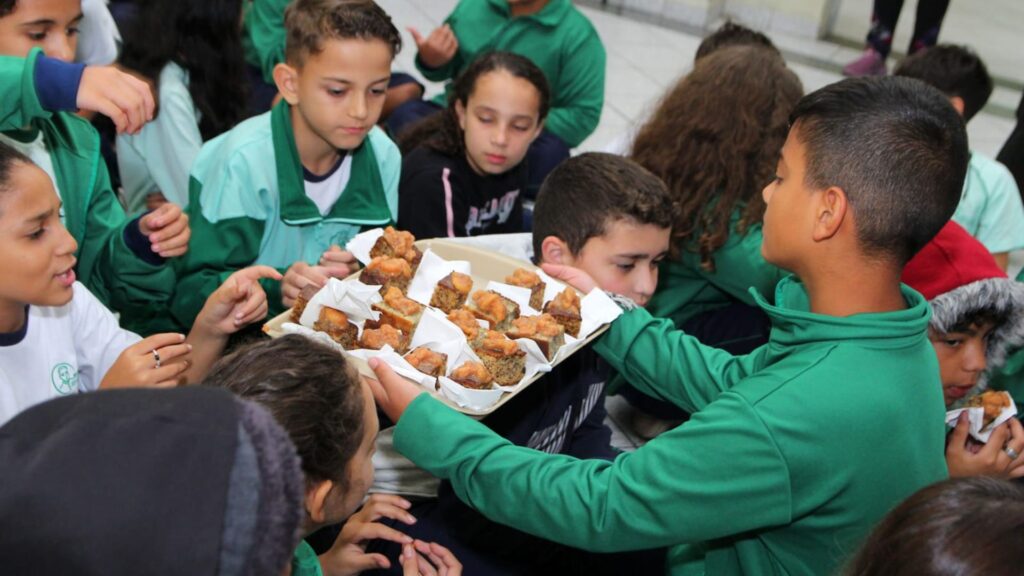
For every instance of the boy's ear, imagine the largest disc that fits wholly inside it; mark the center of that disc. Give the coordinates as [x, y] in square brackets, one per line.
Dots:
[830, 213]
[957, 103]
[554, 250]
[316, 500]
[286, 78]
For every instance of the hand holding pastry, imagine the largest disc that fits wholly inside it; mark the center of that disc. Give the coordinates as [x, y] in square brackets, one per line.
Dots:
[392, 392]
[297, 277]
[999, 457]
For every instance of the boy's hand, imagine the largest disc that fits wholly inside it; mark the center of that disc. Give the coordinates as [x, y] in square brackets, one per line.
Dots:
[574, 277]
[392, 392]
[297, 277]
[992, 459]
[348, 554]
[429, 559]
[123, 98]
[437, 49]
[155, 362]
[239, 301]
[339, 263]
[167, 229]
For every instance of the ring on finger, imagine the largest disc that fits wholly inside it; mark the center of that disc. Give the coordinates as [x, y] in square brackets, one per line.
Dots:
[156, 356]
[1013, 454]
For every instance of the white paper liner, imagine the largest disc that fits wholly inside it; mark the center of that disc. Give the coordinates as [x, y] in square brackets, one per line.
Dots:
[517, 294]
[361, 244]
[976, 416]
[434, 326]
[397, 363]
[431, 270]
[552, 287]
[351, 297]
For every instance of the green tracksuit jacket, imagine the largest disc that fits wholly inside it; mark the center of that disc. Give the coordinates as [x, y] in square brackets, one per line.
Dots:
[793, 453]
[122, 281]
[248, 205]
[558, 39]
[263, 35]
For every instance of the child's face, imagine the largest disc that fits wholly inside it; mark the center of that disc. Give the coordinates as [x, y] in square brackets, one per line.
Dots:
[962, 358]
[360, 468]
[50, 24]
[624, 260]
[37, 254]
[340, 92]
[789, 216]
[500, 121]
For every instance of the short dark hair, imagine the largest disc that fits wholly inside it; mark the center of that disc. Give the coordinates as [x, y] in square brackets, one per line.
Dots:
[9, 157]
[733, 34]
[955, 70]
[585, 193]
[898, 150]
[310, 23]
[313, 393]
[7, 6]
[962, 526]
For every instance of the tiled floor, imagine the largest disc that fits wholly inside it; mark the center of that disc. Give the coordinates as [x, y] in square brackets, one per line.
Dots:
[644, 59]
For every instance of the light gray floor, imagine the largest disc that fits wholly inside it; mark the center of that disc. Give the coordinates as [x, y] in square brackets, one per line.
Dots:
[644, 59]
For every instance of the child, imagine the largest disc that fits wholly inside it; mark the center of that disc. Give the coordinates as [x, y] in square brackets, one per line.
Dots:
[56, 338]
[789, 457]
[286, 188]
[121, 261]
[320, 401]
[732, 34]
[192, 52]
[467, 177]
[608, 216]
[963, 527]
[990, 209]
[186, 481]
[977, 316]
[714, 140]
[553, 34]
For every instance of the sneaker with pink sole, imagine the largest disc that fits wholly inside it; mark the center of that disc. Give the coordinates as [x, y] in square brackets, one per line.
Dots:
[871, 63]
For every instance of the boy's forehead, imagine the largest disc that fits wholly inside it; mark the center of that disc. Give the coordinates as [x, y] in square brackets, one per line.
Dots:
[348, 58]
[60, 11]
[627, 237]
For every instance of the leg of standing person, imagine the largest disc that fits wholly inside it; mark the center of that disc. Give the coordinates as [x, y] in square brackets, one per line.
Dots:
[546, 152]
[408, 114]
[884, 16]
[1012, 154]
[401, 89]
[930, 14]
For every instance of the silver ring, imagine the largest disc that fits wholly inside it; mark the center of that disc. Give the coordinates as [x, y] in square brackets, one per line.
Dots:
[1013, 454]
[156, 356]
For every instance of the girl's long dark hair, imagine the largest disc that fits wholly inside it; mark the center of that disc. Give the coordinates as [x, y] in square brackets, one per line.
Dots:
[715, 140]
[441, 132]
[203, 37]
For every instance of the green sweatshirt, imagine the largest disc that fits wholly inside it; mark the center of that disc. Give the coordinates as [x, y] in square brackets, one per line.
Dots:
[559, 40]
[107, 266]
[263, 35]
[248, 205]
[793, 452]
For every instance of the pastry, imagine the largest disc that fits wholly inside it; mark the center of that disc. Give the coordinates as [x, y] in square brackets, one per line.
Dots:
[398, 311]
[466, 322]
[396, 244]
[502, 357]
[451, 292]
[473, 375]
[992, 401]
[565, 309]
[427, 361]
[387, 272]
[527, 279]
[544, 330]
[498, 311]
[376, 338]
[335, 324]
[305, 295]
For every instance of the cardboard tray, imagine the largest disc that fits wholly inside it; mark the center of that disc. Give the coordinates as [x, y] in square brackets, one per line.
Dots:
[487, 266]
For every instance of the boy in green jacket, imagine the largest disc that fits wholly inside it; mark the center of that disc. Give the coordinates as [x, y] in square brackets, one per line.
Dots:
[121, 261]
[795, 450]
[287, 188]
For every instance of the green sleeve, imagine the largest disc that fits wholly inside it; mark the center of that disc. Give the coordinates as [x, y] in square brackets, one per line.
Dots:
[218, 249]
[265, 35]
[663, 362]
[578, 92]
[19, 103]
[137, 289]
[671, 491]
[740, 266]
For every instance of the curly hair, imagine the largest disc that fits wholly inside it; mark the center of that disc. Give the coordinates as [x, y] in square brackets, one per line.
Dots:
[715, 139]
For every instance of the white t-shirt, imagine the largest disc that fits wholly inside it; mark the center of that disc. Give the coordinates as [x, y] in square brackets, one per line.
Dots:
[325, 190]
[61, 350]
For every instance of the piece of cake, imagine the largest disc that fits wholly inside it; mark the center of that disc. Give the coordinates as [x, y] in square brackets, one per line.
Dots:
[473, 375]
[305, 295]
[397, 244]
[427, 361]
[451, 292]
[335, 324]
[376, 338]
[994, 402]
[543, 329]
[498, 311]
[502, 357]
[387, 272]
[466, 322]
[565, 309]
[527, 279]
[398, 311]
